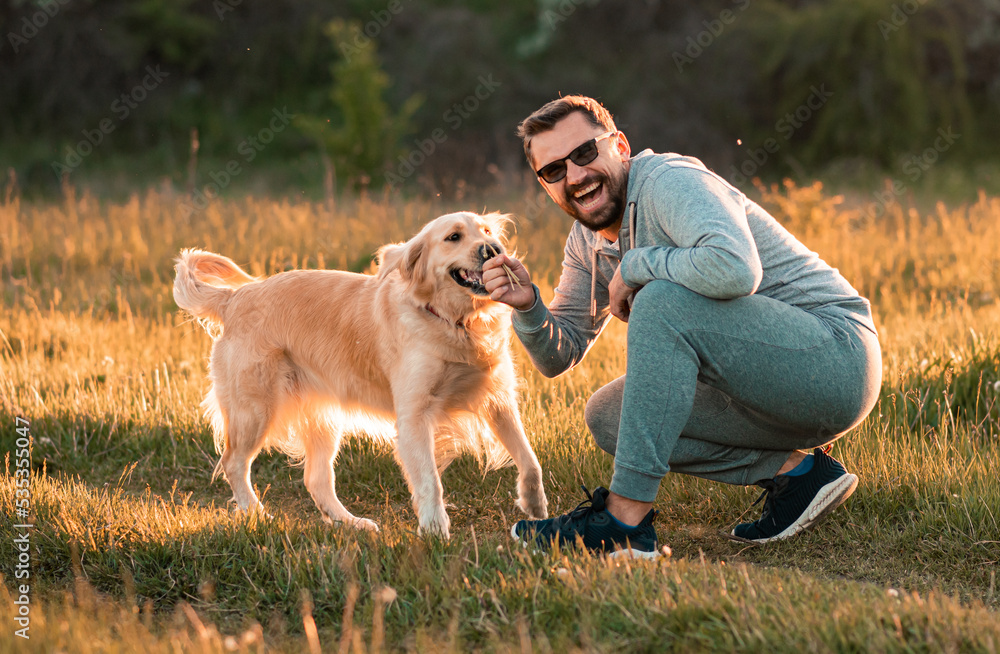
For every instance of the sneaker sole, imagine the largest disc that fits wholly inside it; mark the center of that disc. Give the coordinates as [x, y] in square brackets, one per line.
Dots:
[827, 499]
[627, 552]
[630, 553]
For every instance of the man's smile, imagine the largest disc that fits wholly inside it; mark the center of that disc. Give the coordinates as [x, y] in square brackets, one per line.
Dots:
[590, 196]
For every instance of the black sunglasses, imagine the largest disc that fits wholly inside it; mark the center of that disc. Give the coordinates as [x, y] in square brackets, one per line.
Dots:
[553, 171]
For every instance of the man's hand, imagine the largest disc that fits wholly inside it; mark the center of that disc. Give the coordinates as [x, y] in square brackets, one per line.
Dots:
[501, 289]
[621, 295]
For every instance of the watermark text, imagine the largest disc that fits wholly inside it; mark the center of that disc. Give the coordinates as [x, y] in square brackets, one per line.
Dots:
[22, 530]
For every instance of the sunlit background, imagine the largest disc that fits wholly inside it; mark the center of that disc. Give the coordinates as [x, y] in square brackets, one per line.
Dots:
[306, 134]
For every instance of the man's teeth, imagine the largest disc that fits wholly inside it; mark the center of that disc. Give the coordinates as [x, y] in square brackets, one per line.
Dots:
[586, 189]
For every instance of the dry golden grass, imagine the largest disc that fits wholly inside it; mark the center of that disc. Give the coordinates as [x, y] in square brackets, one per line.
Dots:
[94, 354]
[84, 277]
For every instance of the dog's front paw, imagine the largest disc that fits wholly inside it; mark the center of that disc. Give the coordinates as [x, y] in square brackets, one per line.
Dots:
[361, 523]
[254, 512]
[364, 523]
[349, 520]
[531, 495]
[436, 522]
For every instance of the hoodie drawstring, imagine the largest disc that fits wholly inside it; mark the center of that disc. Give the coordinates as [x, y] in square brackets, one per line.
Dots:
[593, 264]
[593, 288]
[631, 226]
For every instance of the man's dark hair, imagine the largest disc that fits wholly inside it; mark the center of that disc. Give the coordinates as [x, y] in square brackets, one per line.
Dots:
[546, 118]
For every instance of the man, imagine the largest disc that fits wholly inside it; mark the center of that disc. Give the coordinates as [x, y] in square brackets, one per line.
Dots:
[744, 347]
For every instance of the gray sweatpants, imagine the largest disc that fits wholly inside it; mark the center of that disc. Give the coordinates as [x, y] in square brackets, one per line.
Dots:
[727, 389]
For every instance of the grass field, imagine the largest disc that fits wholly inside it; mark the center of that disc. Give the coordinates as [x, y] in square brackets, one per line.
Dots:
[134, 548]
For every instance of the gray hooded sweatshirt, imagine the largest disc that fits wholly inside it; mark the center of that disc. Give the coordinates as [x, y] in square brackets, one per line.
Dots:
[683, 224]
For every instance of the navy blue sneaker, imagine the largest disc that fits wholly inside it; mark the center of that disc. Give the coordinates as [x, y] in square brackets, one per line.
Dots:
[591, 525]
[796, 503]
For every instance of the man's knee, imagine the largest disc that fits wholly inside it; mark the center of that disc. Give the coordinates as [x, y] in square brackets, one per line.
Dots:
[659, 295]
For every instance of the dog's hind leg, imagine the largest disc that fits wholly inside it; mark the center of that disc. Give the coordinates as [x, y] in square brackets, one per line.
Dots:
[322, 441]
[506, 424]
[246, 431]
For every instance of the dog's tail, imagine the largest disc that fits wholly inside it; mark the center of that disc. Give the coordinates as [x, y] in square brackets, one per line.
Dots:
[205, 283]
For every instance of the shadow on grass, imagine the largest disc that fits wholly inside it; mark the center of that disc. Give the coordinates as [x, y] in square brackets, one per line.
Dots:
[920, 521]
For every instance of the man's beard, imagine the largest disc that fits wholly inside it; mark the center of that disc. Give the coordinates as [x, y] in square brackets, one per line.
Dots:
[614, 188]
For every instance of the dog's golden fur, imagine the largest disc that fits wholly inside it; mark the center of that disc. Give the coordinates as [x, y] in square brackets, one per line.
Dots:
[304, 356]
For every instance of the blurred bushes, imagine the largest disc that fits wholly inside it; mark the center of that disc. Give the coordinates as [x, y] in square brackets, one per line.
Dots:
[227, 70]
[714, 79]
[367, 134]
[895, 73]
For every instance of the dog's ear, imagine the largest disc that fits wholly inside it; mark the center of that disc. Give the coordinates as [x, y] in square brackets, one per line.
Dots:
[415, 263]
[389, 257]
[407, 258]
[499, 222]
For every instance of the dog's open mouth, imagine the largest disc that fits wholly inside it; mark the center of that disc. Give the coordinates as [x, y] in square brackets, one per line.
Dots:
[470, 279]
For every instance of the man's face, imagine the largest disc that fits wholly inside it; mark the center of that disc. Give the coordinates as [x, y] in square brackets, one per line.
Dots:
[594, 193]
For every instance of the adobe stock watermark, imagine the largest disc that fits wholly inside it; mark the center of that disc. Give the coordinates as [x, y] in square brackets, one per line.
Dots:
[454, 117]
[553, 14]
[558, 12]
[364, 34]
[122, 107]
[786, 127]
[914, 167]
[31, 25]
[249, 148]
[223, 7]
[899, 16]
[22, 530]
[698, 43]
[536, 203]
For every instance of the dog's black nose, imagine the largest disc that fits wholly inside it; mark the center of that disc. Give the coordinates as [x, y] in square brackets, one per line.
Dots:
[488, 251]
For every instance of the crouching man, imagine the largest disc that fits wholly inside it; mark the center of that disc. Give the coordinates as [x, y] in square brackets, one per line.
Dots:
[744, 347]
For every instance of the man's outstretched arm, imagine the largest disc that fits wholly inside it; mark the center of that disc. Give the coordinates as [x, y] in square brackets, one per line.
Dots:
[556, 337]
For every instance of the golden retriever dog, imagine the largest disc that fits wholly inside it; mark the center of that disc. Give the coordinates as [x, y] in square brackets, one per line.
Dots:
[307, 355]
